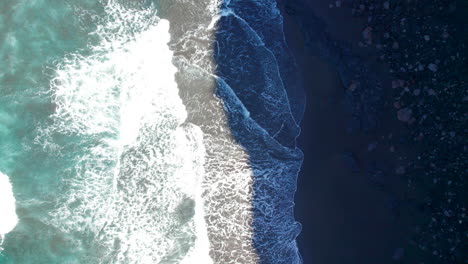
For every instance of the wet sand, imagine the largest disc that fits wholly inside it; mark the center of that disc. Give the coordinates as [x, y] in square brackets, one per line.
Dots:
[346, 217]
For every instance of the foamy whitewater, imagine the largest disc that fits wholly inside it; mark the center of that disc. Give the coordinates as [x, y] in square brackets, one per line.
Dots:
[148, 133]
[137, 190]
[8, 219]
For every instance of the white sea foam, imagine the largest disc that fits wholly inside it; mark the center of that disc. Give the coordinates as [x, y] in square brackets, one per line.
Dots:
[137, 189]
[8, 219]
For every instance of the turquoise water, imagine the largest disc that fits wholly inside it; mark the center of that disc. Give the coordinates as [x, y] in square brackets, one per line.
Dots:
[35, 34]
[84, 138]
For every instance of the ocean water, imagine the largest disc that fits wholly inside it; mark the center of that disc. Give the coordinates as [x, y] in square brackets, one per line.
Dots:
[147, 132]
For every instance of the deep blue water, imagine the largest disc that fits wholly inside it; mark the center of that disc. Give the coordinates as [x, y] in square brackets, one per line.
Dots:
[262, 74]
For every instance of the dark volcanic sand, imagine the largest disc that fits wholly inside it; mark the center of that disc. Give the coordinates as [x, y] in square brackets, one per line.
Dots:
[347, 217]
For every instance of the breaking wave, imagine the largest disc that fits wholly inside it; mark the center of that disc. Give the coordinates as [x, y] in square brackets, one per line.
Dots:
[134, 194]
[9, 219]
[184, 137]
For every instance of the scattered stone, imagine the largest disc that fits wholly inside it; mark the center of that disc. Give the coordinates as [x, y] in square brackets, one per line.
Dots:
[354, 85]
[338, 3]
[417, 92]
[431, 92]
[419, 137]
[405, 114]
[400, 170]
[427, 38]
[397, 83]
[433, 67]
[397, 105]
[395, 45]
[371, 147]
[367, 35]
[386, 5]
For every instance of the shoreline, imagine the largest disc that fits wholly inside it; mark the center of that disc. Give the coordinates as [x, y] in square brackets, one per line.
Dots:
[346, 217]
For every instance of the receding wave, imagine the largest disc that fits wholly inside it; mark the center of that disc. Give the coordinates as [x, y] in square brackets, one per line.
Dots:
[9, 219]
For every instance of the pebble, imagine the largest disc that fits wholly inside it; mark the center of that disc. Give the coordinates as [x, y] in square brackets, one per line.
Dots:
[397, 83]
[353, 86]
[367, 35]
[400, 170]
[386, 5]
[405, 114]
[371, 147]
[433, 67]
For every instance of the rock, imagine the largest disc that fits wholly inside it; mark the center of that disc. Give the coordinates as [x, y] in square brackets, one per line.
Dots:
[397, 105]
[371, 147]
[431, 92]
[354, 85]
[395, 45]
[427, 38]
[417, 92]
[433, 67]
[405, 114]
[386, 5]
[367, 35]
[338, 3]
[397, 83]
[400, 170]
